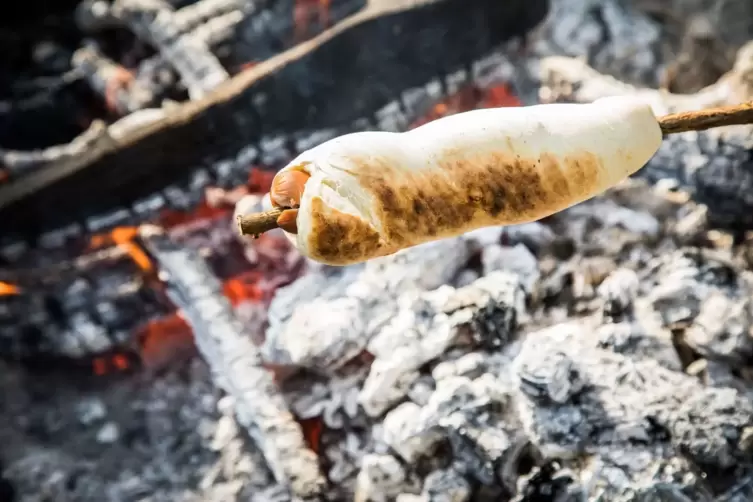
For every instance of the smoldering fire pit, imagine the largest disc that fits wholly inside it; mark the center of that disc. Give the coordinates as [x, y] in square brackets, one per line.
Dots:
[601, 354]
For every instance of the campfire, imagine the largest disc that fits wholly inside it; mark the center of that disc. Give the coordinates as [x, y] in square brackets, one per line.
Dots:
[149, 352]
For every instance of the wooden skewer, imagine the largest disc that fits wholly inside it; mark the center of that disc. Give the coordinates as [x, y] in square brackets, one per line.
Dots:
[707, 119]
[674, 123]
[258, 223]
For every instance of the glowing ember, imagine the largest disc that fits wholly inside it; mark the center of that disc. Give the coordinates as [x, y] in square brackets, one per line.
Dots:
[260, 180]
[120, 79]
[219, 203]
[162, 339]
[112, 363]
[303, 11]
[203, 212]
[123, 237]
[499, 96]
[470, 98]
[7, 289]
[253, 281]
[250, 273]
[312, 432]
[244, 287]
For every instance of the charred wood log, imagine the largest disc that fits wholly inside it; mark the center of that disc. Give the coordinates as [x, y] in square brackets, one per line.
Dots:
[236, 365]
[154, 22]
[86, 307]
[389, 48]
[111, 81]
[18, 163]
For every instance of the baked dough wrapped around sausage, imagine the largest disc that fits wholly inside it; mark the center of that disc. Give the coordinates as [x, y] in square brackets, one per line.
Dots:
[371, 194]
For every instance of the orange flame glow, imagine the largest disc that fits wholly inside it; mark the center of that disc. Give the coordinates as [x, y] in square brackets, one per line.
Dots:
[469, 98]
[111, 363]
[312, 432]
[303, 10]
[7, 289]
[161, 339]
[121, 78]
[244, 287]
[123, 237]
[499, 96]
[204, 211]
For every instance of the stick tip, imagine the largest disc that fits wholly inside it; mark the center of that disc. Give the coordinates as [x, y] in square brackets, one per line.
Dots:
[256, 224]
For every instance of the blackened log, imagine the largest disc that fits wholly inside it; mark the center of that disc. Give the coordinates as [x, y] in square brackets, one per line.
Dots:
[340, 76]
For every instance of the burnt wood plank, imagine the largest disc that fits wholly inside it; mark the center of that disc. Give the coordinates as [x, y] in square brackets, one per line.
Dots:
[346, 73]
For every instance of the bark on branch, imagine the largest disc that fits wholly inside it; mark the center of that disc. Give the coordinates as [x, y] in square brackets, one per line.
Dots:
[258, 223]
[710, 118]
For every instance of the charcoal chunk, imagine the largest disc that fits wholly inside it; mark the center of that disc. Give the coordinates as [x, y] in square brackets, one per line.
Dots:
[618, 292]
[624, 403]
[551, 481]
[446, 485]
[712, 427]
[554, 378]
[380, 477]
[358, 301]
[483, 314]
[623, 475]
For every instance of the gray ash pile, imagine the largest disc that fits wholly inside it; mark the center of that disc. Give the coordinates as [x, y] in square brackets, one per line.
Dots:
[604, 353]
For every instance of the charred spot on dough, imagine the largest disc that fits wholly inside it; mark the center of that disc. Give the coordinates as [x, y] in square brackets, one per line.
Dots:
[418, 206]
[551, 171]
[340, 238]
[585, 171]
[505, 188]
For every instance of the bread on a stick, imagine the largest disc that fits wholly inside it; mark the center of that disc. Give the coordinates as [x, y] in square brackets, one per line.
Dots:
[371, 194]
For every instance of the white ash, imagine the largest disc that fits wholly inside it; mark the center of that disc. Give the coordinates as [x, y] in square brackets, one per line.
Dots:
[611, 35]
[702, 294]
[483, 314]
[174, 442]
[381, 477]
[334, 399]
[447, 400]
[721, 329]
[641, 337]
[517, 259]
[446, 485]
[640, 473]
[716, 374]
[609, 214]
[342, 308]
[618, 291]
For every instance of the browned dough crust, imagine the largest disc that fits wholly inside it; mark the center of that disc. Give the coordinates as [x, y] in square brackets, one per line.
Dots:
[460, 193]
[339, 238]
